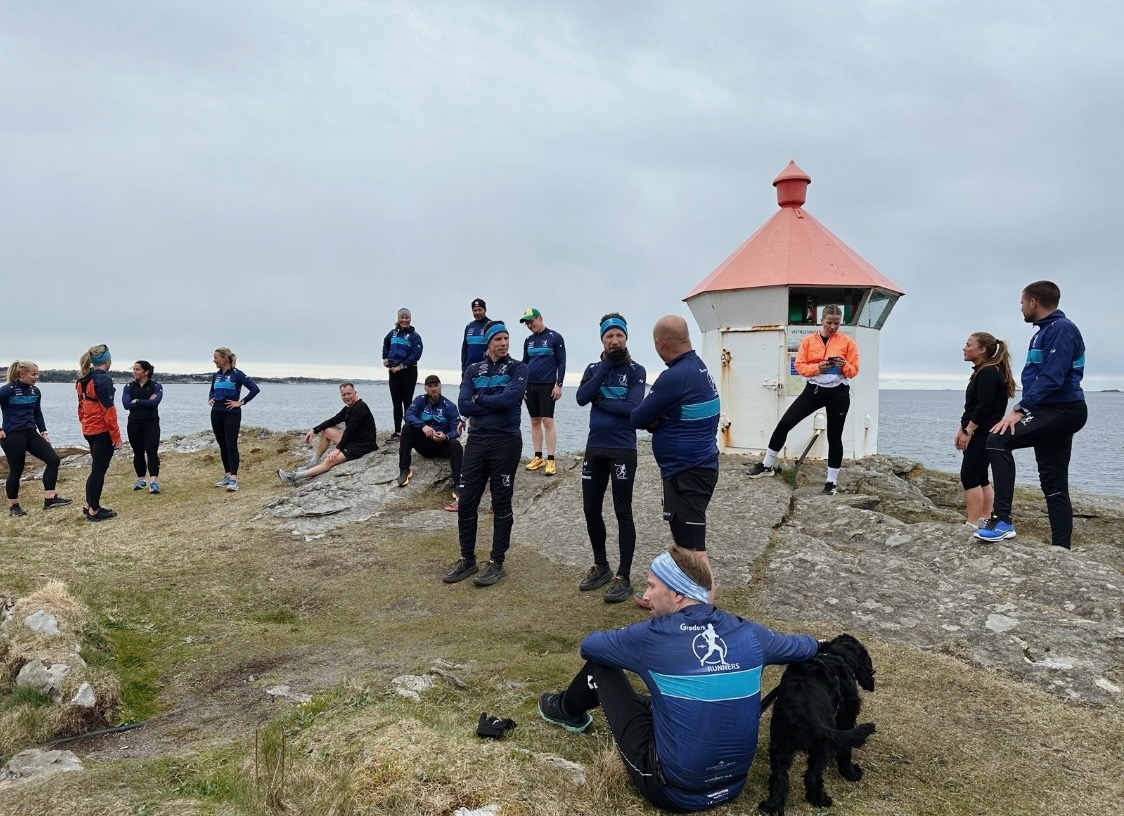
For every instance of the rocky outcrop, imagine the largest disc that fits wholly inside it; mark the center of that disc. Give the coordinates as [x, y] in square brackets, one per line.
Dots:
[887, 557]
[34, 763]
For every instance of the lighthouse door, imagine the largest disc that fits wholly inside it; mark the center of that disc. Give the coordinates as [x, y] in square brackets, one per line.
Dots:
[752, 386]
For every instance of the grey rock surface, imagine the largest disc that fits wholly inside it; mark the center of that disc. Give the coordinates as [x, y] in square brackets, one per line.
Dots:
[85, 697]
[33, 763]
[43, 677]
[887, 557]
[42, 622]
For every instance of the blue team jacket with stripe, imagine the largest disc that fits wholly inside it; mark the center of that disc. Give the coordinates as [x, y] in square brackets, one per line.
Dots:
[681, 411]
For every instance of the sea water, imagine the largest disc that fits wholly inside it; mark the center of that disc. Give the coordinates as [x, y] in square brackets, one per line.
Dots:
[919, 425]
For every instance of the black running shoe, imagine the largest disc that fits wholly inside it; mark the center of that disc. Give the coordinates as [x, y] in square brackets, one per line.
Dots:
[464, 568]
[102, 514]
[618, 591]
[491, 574]
[55, 501]
[597, 577]
[404, 476]
[828, 489]
[759, 470]
[15, 511]
[550, 709]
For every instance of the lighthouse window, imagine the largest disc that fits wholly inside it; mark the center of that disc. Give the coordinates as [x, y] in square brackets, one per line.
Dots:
[877, 308]
[805, 306]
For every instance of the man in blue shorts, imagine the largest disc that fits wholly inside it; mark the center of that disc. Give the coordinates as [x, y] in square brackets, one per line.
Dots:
[689, 745]
[544, 352]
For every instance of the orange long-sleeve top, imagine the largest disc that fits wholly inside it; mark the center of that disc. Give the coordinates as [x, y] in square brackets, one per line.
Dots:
[813, 351]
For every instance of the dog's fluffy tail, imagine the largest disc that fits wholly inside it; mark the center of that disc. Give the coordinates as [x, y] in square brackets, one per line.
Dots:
[852, 738]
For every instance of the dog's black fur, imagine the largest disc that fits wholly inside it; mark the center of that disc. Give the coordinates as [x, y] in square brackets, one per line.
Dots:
[817, 704]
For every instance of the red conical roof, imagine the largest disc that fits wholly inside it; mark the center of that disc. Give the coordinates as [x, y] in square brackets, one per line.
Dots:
[793, 249]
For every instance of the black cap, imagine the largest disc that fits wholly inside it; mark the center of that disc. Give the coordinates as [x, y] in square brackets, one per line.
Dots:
[431, 379]
[479, 302]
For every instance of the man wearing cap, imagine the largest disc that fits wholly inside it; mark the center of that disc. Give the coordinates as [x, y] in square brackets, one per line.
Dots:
[473, 347]
[432, 426]
[355, 441]
[681, 412]
[689, 745]
[544, 352]
[401, 350]
[491, 396]
[613, 387]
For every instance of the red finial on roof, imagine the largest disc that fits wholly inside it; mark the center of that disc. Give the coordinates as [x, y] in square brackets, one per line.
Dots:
[792, 186]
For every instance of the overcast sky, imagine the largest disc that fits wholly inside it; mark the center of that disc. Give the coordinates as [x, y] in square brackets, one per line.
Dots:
[280, 177]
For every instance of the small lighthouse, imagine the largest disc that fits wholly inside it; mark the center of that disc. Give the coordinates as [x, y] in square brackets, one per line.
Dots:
[757, 306]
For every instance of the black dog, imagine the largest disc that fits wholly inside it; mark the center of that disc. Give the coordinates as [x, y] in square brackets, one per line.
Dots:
[817, 704]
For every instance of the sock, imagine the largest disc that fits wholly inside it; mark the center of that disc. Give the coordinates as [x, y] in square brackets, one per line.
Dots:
[770, 457]
[550, 456]
[538, 454]
[833, 475]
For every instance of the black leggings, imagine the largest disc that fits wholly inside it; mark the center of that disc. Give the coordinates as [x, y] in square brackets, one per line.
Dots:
[599, 465]
[226, 424]
[16, 446]
[402, 385]
[837, 401]
[630, 719]
[1049, 430]
[490, 461]
[101, 452]
[144, 436]
[413, 438]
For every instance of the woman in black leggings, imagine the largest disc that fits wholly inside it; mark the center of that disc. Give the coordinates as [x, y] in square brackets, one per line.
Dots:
[401, 350]
[97, 414]
[985, 403]
[24, 432]
[141, 398]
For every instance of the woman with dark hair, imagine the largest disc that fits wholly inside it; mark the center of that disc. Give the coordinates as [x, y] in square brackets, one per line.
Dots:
[985, 403]
[226, 411]
[401, 350]
[24, 431]
[98, 417]
[141, 398]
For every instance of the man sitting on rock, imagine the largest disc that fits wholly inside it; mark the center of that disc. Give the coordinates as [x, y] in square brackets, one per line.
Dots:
[432, 426]
[356, 440]
[689, 746]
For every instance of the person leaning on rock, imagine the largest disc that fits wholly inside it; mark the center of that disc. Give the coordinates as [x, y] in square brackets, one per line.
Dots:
[431, 427]
[355, 441]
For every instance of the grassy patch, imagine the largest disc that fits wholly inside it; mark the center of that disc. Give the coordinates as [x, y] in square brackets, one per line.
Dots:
[24, 696]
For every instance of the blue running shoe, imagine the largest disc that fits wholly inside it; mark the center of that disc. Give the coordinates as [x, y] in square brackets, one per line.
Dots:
[154, 487]
[995, 530]
[139, 485]
[223, 482]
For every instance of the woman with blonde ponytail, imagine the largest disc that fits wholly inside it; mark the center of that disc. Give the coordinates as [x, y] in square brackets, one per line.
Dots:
[24, 431]
[985, 403]
[97, 414]
[226, 402]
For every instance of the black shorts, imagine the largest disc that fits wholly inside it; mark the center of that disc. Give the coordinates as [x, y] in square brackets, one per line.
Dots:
[687, 494]
[357, 451]
[539, 400]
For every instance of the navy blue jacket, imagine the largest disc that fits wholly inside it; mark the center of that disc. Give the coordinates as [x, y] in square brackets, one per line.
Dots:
[22, 407]
[702, 667]
[402, 346]
[441, 415]
[1055, 363]
[147, 398]
[492, 395]
[545, 354]
[614, 392]
[682, 411]
[474, 346]
[227, 385]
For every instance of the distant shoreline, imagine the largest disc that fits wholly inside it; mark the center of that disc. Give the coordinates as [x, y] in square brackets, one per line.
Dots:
[57, 375]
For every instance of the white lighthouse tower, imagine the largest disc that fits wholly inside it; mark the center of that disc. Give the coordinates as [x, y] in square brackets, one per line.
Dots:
[757, 306]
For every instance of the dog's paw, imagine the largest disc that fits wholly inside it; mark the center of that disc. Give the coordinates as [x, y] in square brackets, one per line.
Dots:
[770, 807]
[852, 773]
[822, 800]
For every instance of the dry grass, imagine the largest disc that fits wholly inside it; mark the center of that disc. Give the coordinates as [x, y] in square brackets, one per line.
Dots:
[194, 598]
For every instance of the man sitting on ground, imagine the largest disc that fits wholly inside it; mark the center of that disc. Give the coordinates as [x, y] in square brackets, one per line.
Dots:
[689, 746]
[432, 426]
[356, 440]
